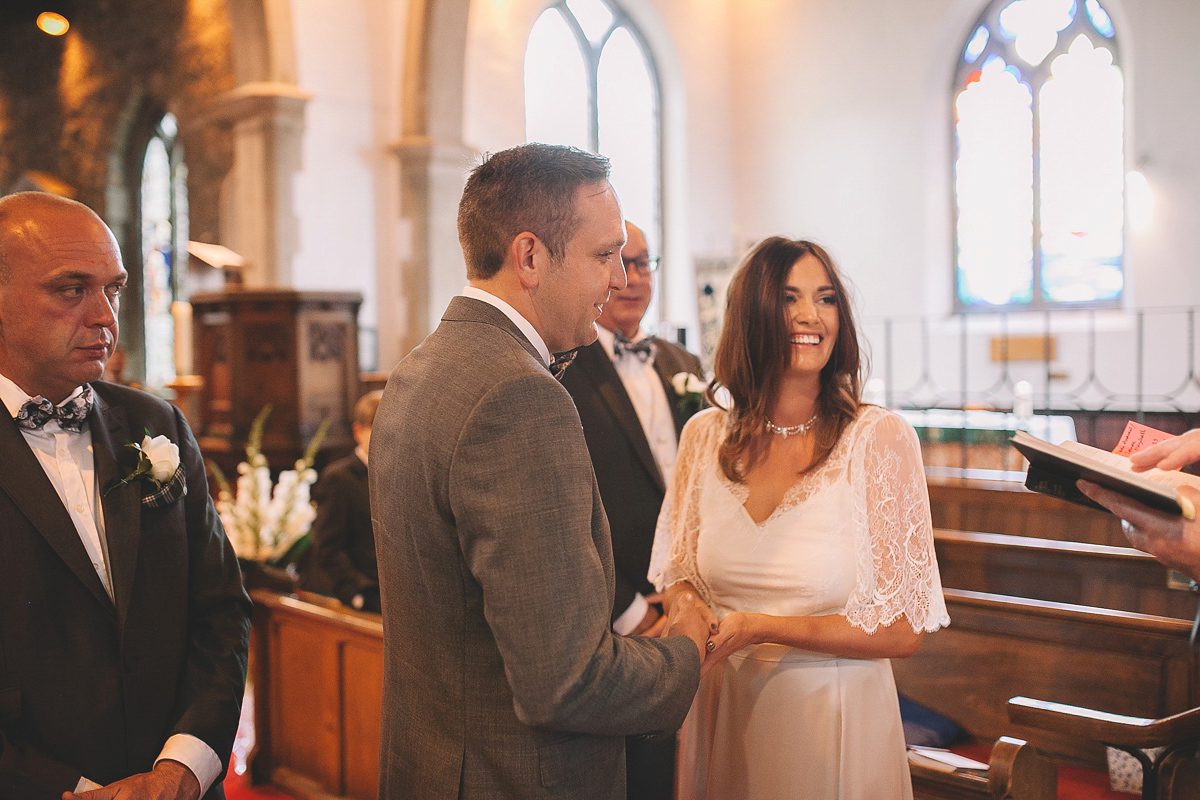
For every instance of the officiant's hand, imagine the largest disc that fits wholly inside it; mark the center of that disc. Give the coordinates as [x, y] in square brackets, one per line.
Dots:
[1176, 452]
[1170, 538]
[169, 780]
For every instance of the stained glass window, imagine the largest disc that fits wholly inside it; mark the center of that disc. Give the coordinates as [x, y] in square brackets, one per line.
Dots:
[590, 82]
[1038, 107]
[161, 228]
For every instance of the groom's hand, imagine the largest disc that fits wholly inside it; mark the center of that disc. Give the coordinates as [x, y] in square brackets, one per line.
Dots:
[691, 617]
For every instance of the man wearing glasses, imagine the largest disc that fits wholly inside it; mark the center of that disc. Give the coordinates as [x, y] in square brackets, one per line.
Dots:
[631, 418]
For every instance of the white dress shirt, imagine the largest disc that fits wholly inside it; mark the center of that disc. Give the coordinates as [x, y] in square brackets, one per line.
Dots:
[68, 461]
[644, 387]
[524, 325]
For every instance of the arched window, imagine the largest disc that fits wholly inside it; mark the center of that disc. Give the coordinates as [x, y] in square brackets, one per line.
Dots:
[590, 82]
[156, 278]
[1039, 119]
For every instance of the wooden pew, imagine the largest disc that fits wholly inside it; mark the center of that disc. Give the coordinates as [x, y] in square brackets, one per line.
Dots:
[998, 647]
[966, 504]
[1174, 774]
[318, 686]
[1119, 578]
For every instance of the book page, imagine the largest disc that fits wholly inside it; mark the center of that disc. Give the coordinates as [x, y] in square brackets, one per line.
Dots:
[943, 760]
[1173, 478]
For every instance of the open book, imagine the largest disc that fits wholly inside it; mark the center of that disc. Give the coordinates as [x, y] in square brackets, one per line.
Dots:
[943, 760]
[1053, 470]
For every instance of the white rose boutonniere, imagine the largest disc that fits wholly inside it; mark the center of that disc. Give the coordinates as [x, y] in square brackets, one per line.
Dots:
[158, 461]
[163, 455]
[690, 390]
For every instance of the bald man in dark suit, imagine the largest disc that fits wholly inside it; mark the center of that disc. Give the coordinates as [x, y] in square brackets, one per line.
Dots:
[123, 622]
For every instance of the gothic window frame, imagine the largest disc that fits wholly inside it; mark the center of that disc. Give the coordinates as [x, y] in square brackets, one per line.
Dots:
[151, 122]
[591, 52]
[1084, 21]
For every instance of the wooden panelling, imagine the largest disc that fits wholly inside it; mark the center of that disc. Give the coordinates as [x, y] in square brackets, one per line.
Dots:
[998, 647]
[1119, 578]
[1003, 507]
[318, 686]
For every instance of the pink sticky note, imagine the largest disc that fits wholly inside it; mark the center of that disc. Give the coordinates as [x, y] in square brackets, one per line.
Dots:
[1138, 437]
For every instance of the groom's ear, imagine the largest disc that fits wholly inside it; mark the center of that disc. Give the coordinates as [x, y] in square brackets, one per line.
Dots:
[530, 257]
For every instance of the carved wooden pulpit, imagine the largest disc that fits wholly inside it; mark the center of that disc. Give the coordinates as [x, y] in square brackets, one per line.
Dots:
[295, 350]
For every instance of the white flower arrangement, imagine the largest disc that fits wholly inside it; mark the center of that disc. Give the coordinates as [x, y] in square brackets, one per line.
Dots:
[265, 523]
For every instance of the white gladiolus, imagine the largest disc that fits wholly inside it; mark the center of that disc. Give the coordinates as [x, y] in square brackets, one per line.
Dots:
[263, 522]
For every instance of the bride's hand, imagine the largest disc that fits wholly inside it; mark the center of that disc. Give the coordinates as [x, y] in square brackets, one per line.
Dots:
[736, 631]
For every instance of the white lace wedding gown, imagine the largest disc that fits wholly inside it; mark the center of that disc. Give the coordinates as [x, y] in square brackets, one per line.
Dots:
[853, 537]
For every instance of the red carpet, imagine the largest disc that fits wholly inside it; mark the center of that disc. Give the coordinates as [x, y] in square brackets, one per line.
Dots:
[237, 780]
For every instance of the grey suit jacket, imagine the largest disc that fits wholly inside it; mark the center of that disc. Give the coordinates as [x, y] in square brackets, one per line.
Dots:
[501, 676]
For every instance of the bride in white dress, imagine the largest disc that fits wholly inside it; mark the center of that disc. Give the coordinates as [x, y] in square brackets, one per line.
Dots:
[802, 518]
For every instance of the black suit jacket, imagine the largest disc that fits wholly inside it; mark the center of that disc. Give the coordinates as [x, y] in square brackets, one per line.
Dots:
[631, 486]
[88, 686]
[343, 539]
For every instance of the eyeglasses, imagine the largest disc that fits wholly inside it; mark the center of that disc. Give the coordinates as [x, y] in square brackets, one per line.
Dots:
[645, 266]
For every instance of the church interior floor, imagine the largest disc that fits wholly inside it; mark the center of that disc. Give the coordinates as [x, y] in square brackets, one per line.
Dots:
[237, 780]
[1073, 783]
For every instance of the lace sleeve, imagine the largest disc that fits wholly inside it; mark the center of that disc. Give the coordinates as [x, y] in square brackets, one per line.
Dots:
[673, 558]
[898, 571]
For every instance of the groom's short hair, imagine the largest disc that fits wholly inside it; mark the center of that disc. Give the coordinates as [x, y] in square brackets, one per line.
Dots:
[528, 188]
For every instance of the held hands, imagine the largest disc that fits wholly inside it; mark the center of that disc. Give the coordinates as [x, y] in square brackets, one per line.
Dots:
[688, 615]
[169, 780]
[736, 631]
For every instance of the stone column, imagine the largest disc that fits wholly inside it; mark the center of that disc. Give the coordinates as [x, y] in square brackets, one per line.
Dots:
[432, 270]
[258, 218]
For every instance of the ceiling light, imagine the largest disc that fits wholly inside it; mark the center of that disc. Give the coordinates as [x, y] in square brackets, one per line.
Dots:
[53, 23]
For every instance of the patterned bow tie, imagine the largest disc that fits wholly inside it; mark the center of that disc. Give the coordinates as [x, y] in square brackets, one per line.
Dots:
[562, 361]
[643, 350]
[35, 413]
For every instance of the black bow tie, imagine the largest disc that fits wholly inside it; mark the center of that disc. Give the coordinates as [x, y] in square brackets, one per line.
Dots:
[35, 413]
[643, 350]
[561, 361]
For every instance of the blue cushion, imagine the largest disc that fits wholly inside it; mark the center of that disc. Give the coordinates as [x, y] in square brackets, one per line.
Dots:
[925, 727]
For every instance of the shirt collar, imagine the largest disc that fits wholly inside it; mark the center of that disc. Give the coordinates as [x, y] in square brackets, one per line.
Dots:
[522, 324]
[14, 396]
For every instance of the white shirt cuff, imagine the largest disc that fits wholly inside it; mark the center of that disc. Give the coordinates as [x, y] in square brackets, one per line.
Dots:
[627, 623]
[85, 785]
[194, 754]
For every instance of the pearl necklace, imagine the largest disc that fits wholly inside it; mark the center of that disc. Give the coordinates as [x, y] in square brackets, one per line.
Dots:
[792, 430]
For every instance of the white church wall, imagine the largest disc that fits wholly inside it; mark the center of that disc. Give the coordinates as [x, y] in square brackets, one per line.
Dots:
[842, 135]
[825, 119]
[342, 58]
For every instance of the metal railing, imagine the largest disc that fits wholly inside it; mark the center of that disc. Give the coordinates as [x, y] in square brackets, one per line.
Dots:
[1133, 360]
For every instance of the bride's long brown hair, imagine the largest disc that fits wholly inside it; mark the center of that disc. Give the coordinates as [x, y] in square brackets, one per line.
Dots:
[755, 349]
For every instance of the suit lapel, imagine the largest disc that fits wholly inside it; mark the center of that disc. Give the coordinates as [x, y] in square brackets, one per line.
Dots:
[122, 505]
[666, 369]
[24, 481]
[612, 392]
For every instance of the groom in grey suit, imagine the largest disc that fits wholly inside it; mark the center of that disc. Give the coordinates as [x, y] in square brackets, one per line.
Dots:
[502, 678]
